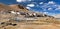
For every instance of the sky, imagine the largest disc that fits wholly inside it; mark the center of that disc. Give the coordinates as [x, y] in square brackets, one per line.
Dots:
[49, 7]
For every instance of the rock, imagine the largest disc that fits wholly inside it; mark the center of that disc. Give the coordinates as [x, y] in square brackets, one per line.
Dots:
[14, 24]
[2, 22]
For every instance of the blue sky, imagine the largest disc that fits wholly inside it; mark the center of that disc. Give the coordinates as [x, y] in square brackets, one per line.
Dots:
[8, 1]
[45, 6]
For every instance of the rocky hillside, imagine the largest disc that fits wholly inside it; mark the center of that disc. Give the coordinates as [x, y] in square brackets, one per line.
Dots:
[16, 16]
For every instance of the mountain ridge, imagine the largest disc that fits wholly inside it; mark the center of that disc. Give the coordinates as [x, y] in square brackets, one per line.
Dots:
[16, 16]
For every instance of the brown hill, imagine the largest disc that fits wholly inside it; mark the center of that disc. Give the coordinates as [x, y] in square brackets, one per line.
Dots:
[30, 20]
[13, 7]
[4, 7]
[18, 7]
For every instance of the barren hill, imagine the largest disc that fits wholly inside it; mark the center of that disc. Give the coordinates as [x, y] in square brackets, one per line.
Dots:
[16, 16]
[18, 7]
[4, 7]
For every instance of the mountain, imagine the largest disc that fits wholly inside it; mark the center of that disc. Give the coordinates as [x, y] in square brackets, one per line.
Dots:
[16, 16]
[14, 7]
[18, 7]
[4, 7]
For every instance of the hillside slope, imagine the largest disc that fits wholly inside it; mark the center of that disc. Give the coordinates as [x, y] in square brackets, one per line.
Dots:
[18, 7]
[16, 16]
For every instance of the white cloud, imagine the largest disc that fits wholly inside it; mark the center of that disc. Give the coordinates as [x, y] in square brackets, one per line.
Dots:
[22, 0]
[58, 8]
[45, 12]
[28, 7]
[49, 8]
[51, 2]
[55, 5]
[41, 3]
[31, 5]
[29, 0]
[48, 13]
